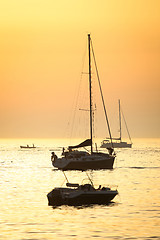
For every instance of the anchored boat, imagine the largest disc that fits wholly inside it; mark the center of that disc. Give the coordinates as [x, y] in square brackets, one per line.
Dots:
[28, 146]
[77, 195]
[75, 159]
[117, 142]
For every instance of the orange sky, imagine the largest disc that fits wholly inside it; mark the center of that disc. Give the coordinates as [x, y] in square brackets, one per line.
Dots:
[41, 49]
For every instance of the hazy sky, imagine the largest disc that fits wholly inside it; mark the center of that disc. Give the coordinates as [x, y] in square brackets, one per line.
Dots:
[41, 49]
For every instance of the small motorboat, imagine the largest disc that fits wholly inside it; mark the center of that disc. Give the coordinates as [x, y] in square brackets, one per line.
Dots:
[77, 195]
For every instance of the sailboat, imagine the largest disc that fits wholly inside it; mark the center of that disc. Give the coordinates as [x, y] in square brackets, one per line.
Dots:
[117, 142]
[74, 159]
[76, 195]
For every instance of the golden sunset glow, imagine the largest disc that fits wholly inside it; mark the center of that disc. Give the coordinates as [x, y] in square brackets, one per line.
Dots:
[41, 49]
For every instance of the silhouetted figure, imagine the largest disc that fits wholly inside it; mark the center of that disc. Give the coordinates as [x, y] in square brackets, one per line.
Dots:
[53, 156]
[110, 150]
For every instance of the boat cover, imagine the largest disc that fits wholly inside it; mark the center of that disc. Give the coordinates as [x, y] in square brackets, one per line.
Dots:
[85, 143]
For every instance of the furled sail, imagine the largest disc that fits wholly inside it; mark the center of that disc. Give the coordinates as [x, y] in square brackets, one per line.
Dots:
[86, 143]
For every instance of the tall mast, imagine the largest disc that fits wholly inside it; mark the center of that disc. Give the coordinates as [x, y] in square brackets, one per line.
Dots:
[109, 130]
[120, 128]
[90, 88]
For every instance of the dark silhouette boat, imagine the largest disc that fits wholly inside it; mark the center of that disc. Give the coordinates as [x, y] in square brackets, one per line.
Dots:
[26, 147]
[77, 195]
[82, 160]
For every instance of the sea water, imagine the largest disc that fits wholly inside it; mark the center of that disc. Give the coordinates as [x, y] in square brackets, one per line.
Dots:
[27, 175]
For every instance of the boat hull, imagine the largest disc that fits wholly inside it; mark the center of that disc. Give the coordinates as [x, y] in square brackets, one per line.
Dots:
[116, 145]
[55, 198]
[26, 147]
[76, 164]
[87, 199]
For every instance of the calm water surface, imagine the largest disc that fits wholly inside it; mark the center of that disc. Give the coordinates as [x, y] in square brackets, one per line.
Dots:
[26, 176]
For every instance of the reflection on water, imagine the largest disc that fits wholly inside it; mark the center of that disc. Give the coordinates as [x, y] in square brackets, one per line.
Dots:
[110, 204]
[27, 177]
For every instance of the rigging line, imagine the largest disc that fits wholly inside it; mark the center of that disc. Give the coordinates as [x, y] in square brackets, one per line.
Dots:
[126, 125]
[90, 179]
[75, 107]
[102, 95]
[93, 107]
[120, 128]
[76, 98]
[65, 177]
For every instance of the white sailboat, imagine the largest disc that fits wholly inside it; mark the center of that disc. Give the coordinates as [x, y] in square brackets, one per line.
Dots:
[75, 159]
[117, 142]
